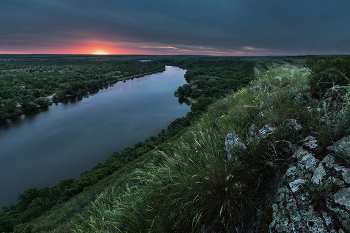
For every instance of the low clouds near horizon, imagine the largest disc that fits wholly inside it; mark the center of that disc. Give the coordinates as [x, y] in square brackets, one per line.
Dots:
[210, 27]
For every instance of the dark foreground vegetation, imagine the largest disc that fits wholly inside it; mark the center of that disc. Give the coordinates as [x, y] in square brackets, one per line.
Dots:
[156, 193]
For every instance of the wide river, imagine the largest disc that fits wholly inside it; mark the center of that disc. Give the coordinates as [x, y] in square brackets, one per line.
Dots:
[38, 150]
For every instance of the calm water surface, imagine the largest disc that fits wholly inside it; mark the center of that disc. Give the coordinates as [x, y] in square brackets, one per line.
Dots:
[41, 149]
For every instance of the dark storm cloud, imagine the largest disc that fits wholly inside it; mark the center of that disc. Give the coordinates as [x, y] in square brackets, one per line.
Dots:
[249, 26]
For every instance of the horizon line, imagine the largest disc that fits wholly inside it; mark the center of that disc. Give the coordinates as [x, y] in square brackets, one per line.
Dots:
[85, 54]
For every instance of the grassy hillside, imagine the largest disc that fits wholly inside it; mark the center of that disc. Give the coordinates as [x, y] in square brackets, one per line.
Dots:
[196, 188]
[188, 183]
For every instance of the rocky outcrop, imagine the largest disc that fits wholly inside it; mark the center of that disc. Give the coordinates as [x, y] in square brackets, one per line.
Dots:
[313, 195]
[309, 189]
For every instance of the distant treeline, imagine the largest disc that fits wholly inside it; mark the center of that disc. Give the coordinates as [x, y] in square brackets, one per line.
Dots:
[25, 81]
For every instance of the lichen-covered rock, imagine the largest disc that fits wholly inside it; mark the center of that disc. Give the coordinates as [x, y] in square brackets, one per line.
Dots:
[291, 171]
[295, 214]
[313, 194]
[310, 142]
[300, 153]
[340, 216]
[294, 186]
[304, 201]
[329, 161]
[285, 212]
[346, 175]
[266, 131]
[318, 174]
[254, 134]
[232, 143]
[341, 147]
[308, 161]
[343, 197]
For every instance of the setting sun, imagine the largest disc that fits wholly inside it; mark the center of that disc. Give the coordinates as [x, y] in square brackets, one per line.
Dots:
[100, 52]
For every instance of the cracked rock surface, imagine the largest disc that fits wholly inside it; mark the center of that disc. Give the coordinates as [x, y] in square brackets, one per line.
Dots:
[232, 143]
[314, 193]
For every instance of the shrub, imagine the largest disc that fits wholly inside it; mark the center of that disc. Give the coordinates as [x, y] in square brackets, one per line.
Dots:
[328, 72]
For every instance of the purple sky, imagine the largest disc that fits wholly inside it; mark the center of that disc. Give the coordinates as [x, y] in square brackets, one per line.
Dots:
[210, 27]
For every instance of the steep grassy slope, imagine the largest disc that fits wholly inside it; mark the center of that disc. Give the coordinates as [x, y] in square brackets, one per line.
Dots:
[192, 186]
[196, 187]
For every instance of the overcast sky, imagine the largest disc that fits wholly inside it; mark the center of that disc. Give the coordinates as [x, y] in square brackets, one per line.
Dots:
[211, 27]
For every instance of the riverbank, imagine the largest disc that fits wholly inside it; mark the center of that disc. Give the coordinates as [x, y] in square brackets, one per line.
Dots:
[88, 130]
[27, 83]
[18, 111]
[108, 83]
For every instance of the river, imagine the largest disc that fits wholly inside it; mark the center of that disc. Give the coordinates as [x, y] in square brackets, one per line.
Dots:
[40, 149]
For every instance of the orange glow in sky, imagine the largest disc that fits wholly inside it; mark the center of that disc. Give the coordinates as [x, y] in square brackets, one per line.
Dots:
[100, 47]
[84, 47]
[100, 52]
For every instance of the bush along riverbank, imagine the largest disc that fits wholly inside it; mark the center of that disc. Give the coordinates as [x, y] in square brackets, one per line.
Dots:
[270, 157]
[31, 82]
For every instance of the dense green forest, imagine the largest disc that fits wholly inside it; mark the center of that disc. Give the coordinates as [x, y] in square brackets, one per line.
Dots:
[22, 78]
[26, 81]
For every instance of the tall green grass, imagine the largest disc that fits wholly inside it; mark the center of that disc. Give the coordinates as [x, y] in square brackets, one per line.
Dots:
[195, 188]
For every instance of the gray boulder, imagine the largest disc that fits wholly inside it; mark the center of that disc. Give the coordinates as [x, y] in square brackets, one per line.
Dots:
[233, 143]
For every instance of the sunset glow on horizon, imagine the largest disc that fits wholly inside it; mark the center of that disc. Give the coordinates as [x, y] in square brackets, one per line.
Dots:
[100, 52]
[145, 28]
[83, 49]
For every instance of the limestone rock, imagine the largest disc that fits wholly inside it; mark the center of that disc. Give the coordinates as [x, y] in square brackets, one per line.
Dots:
[310, 142]
[308, 161]
[232, 143]
[312, 195]
[266, 131]
[343, 197]
[293, 203]
[341, 147]
[318, 174]
[300, 153]
[294, 186]
[329, 161]
[346, 175]
[291, 171]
